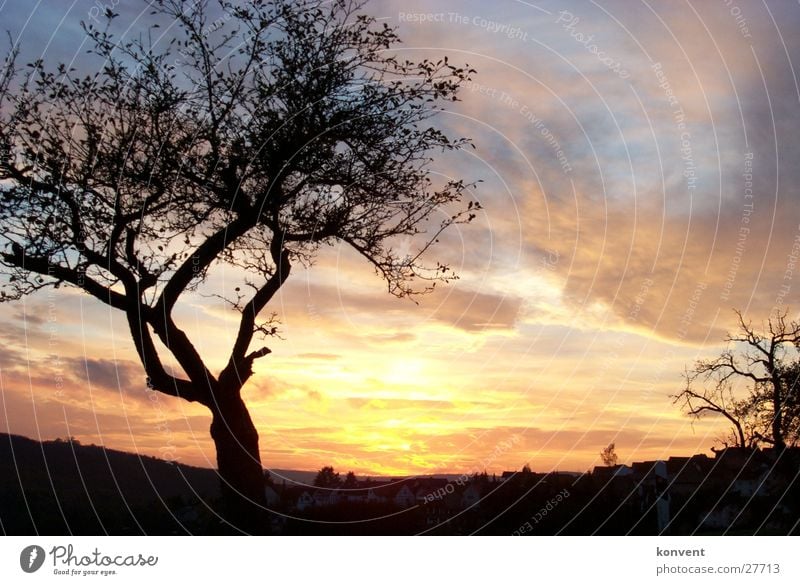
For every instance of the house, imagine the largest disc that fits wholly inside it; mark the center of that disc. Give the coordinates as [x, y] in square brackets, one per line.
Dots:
[326, 497]
[271, 496]
[436, 513]
[691, 468]
[741, 471]
[187, 514]
[471, 496]
[750, 482]
[558, 480]
[402, 493]
[651, 486]
[404, 497]
[607, 473]
[782, 469]
[428, 489]
[686, 475]
[353, 496]
[304, 501]
[375, 495]
[649, 471]
[721, 517]
[735, 457]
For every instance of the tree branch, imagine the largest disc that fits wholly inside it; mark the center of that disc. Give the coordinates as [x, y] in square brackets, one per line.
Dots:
[710, 406]
[196, 263]
[44, 267]
[157, 376]
[239, 367]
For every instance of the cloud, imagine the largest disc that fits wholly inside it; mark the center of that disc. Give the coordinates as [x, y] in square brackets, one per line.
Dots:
[397, 337]
[396, 404]
[461, 308]
[476, 311]
[675, 276]
[115, 375]
[28, 318]
[319, 356]
[12, 359]
[657, 190]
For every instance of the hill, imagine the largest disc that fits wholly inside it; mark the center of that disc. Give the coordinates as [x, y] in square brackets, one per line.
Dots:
[63, 487]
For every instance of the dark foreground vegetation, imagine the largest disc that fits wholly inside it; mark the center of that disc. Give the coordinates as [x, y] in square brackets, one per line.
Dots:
[62, 487]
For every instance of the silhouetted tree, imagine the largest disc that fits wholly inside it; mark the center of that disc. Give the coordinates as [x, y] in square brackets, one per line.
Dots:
[350, 480]
[609, 455]
[250, 140]
[790, 418]
[327, 478]
[766, 361]
[718, 398]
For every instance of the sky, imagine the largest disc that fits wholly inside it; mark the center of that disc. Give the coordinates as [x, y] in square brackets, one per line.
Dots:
[637, 168]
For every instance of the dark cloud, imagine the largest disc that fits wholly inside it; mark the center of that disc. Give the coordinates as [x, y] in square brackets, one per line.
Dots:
[121, 375]
[11, 358]
[29, 318]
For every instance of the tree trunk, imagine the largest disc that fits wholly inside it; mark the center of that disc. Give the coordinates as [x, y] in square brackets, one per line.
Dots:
[739, 433]
[777, 414]
[239, 464]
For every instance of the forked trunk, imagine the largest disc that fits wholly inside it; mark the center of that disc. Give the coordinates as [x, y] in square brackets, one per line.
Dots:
[239, 464]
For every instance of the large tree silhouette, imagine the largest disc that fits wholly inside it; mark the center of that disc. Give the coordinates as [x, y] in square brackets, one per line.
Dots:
[248, 135]
[753, 383]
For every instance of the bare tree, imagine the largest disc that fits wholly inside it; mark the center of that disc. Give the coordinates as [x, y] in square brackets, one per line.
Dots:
[250, 140]
[716, 399]
[765, 362]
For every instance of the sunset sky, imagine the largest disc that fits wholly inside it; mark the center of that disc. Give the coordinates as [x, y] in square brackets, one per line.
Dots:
[639, 179]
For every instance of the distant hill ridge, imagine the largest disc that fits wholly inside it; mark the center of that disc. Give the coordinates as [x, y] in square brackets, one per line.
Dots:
[89, 456]
[68, 461]
[62, 486]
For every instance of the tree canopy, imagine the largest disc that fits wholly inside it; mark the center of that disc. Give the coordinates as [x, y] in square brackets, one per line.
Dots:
[248, 140]
[752, 383]
[609, 455]
[327, 478]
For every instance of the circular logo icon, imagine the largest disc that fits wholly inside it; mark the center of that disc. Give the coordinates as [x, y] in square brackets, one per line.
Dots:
[31, 558]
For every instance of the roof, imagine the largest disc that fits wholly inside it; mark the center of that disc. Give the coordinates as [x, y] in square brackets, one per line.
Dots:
[611, 471]
[431, 482]
[691, 470]
[294, 492]
[475, 488]
[737, 456]
[649, 470]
